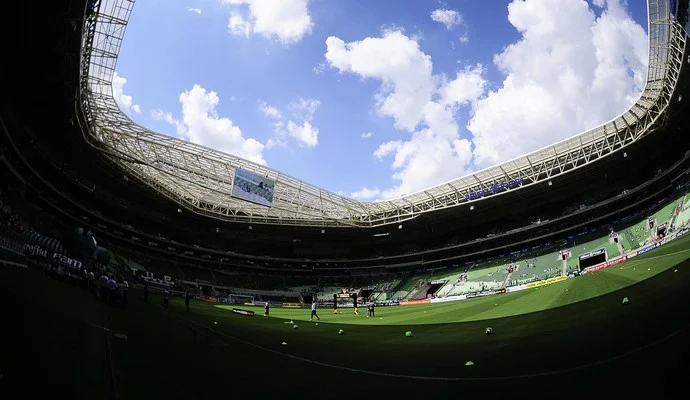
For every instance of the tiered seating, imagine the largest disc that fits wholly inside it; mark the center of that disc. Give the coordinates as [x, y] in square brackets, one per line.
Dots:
[639, 234]
[683, 218]
[326, 293]
[233, 280]
[666, 213]
[578, 250]
[266, 282]
[201, 275]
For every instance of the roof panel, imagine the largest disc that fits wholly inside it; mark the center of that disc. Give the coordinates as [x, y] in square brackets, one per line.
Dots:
[209, 172]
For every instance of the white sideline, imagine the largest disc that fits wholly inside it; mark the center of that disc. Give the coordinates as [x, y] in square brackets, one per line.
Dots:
[630, 264]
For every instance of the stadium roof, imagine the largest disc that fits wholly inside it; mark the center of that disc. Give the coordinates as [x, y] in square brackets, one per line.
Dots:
[201, 179]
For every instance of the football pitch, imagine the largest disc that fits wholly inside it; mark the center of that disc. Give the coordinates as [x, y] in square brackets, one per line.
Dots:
[527, 301]
[574, 333]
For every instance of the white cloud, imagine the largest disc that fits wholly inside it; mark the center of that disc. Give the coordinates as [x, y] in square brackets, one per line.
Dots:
[366, 135]
[569, 72]
[276, 142]
[269, 111]
[366, 194]
[395, 60]
[238, 26]
[286, 21]
[467, 87]
[123, 100]
[201, 124]
[419, 102]
[318, 70]
[449, 18]
[194, 10]
[303, 131]
[160, 115]
[464, 38]
[305, 108]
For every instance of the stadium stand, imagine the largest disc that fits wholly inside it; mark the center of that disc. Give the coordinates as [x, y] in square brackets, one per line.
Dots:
[48, 191]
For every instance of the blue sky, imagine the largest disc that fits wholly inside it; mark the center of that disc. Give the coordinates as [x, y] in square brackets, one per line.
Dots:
[375, 99]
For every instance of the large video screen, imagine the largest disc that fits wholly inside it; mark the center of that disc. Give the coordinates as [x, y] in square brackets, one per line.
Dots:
[252, 187]
[592, 258]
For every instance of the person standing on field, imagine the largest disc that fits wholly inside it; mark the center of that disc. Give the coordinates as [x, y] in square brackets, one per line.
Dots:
[166, 296]
[313, 311]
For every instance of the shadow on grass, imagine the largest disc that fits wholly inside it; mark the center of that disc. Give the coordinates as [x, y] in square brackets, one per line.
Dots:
[159, 359]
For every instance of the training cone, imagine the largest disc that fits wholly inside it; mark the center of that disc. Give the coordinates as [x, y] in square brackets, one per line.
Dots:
[626, 300]
[469, 363]
[408, 333]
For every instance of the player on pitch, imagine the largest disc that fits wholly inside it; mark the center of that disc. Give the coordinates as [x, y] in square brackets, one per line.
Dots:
[313, 311]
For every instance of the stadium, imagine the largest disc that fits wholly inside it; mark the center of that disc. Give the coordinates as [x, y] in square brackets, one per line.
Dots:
[563, 272]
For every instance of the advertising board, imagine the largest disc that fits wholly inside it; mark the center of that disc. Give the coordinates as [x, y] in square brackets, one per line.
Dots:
[248, 313]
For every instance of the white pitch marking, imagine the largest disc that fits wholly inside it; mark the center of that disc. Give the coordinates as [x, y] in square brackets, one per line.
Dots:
[634, 264]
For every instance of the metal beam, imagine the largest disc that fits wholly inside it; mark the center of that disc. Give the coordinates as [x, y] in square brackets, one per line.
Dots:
[201, 179]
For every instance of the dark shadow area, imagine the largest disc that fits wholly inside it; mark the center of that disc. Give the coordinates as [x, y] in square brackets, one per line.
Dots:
[598, 345]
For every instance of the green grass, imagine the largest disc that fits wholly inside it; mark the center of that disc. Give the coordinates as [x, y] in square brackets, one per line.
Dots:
[527, 301]
[538, 331]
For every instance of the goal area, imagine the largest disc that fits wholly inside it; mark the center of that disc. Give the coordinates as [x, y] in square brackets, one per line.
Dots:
[240, 299]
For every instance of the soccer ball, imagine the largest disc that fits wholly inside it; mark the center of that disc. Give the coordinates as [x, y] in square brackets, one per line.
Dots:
[295, 326]
[341, 332]
[489, 331]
